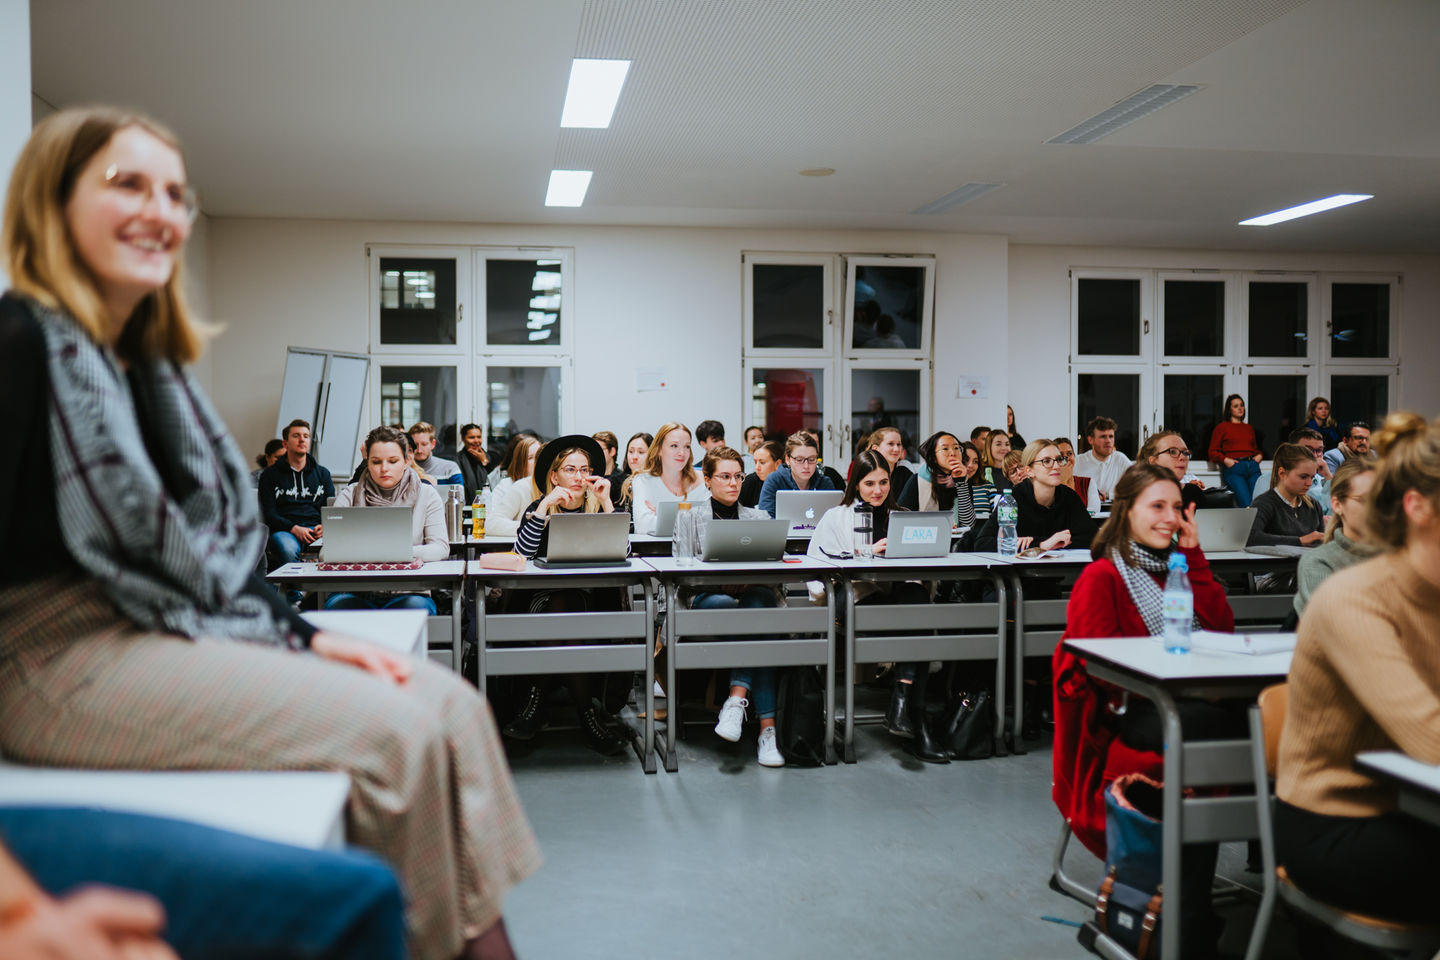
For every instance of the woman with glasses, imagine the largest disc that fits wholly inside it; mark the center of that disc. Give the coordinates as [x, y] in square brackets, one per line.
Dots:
[800, 472]
[1168, 449]
[1347, 541]
[944, 482]
[134, 632]
[667, 474]
[1052, 516]
[1235, 451]
[1083, 486]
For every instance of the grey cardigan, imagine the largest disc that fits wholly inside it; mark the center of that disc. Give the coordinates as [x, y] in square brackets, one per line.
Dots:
[1315, 566]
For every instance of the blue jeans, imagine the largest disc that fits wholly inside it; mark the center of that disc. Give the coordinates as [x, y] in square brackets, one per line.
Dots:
[760, 682]
[226, 896]
[284, 547]
[1241, 479]
[380, 601]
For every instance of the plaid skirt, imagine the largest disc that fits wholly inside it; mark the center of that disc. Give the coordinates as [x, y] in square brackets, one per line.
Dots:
[430, 789]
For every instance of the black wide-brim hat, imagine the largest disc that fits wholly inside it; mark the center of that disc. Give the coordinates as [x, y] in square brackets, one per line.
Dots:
[576, 441]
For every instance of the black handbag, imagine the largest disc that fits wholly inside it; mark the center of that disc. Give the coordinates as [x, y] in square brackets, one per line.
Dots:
[967, 727]
[800, 717]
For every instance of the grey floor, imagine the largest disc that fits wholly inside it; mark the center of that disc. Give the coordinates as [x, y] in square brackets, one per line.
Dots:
[886, 857]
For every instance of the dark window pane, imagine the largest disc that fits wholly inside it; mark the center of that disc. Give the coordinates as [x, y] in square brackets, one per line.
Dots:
[1113, 395]
[1192, 405]
[785, 400]
[417, 300]
[1364, 398]
[1360, 320]
[889, 305]
[788, 305]
[1108, 317]
[411, 394]
[1279, 321]
[1194, 318]
[884, 398]
[1275, 407]
[521, 398]
[522, 302]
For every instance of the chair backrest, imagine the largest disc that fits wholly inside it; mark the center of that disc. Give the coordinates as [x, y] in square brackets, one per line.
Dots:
[1273, 701]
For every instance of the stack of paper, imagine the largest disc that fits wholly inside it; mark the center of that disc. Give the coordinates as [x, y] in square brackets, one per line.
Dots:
[1254, 643]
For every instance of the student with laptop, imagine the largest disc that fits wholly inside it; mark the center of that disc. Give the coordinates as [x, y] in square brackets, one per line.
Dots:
[292, 491]
[1286, 514]
[767, 457]
[668, 474]
[944, 481]
[835, 536]
[800, 472]
[570, 471]
[389, 482]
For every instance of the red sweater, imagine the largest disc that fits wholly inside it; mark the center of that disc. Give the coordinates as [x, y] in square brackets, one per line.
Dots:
[1234, 440]
[1086, 756]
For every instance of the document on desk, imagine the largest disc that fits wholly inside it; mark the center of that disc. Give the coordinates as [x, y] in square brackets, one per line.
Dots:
[1252, 643]
[1035, 553]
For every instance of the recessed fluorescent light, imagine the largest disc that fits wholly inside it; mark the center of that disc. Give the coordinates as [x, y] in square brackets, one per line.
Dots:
[1125, 112]
[956, 197]
[567, 187]
[539, 335]
[1305, 209]
[593, 91]
[545, 280]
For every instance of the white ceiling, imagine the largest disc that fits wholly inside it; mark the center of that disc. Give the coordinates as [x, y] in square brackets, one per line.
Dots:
[449, 110]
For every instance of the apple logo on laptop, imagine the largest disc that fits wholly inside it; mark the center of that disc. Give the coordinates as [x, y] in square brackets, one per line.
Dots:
[809, 513]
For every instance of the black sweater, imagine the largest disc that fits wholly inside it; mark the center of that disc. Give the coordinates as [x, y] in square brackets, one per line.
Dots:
[1041, 523]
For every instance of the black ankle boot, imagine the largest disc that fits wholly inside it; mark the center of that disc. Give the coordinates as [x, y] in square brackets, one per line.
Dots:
[924, 746]
[531, 718]
[598, 735]
[898, 718]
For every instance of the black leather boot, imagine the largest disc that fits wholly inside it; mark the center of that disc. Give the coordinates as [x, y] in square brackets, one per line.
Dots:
[923, 746]
[598, 735]
[530, 719]
[898, 717]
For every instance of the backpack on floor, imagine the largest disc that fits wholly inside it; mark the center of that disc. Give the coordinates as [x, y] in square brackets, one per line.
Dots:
[800, 717]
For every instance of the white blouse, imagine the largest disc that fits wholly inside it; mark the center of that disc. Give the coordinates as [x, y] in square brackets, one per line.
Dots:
[648, 488]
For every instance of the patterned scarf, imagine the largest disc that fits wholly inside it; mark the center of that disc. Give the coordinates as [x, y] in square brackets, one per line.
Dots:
[164, 519]
[1147, 595]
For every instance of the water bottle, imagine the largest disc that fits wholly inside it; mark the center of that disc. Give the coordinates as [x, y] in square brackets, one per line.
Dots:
[477, 514]
[1179, 605]
[684, 545]
[1007, 517]
[864, 531]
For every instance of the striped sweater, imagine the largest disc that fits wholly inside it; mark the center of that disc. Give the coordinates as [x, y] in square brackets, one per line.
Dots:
[1366, 676]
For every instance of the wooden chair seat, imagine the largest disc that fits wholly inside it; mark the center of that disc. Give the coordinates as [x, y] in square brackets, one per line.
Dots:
[1423, 930]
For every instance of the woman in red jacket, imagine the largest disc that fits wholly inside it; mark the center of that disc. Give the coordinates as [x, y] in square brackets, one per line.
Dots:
[1236, 452]
[1099, 733]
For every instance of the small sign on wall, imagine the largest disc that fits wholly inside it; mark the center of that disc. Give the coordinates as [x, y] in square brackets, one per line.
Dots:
[972, 388]
[651, 379]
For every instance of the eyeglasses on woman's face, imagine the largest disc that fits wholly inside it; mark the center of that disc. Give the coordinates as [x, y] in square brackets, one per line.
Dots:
[1050, 463]
[573, 471]
[804, 461]
[1179, 453]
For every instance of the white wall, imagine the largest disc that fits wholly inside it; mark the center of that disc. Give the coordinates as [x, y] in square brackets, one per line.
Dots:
[1039, 304]
[197, 289]
[642, 296]
[14, 89]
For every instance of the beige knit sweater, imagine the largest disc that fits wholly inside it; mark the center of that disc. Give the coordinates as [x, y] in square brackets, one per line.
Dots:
[1366, 676]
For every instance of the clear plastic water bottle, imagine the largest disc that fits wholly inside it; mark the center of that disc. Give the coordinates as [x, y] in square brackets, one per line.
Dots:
[1007, 518]
[864, 531]
[685, 545]
[1179, 605]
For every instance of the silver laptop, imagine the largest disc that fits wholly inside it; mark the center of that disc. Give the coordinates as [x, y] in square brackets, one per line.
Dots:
[366, 535]
[917, 535]
[1224, 529]
[665, 512]
[730, 541]
[586, 540]
[804, 508]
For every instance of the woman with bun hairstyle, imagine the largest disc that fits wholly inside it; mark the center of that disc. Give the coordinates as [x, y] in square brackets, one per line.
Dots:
[1366, 676]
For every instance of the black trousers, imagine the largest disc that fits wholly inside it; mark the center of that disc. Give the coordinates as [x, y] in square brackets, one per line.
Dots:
[1387, 866]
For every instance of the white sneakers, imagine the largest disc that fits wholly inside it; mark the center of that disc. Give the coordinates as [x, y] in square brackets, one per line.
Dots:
[769, 753]
[732, 718]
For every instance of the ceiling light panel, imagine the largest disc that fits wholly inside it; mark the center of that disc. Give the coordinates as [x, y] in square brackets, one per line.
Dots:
[1125, 112]
[957, 197]
[1306, 209]
[567, 188]
[593, 92]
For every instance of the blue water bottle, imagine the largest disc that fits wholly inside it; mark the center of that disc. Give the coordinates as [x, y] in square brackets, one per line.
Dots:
[1179, 605]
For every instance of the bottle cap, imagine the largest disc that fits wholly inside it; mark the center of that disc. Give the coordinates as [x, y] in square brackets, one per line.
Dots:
[1178, 562]
[683, 505]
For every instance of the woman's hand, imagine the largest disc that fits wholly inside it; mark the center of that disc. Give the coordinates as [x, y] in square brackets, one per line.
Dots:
[93, 924]
[1311, 538]
[562, 497]
[385, 664]
[1023, 543]
[1189, 530]
[1056, 542]
[1258, 457]
[878, 547]
[1228, 462]
[601, 486]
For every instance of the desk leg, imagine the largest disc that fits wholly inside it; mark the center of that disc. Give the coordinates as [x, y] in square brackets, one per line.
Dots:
[1173, 830]
[457, 634]
[849, 671]
[672, 702]
[1017, 739]
[647, 759]
[1001, 593]
[830, 672]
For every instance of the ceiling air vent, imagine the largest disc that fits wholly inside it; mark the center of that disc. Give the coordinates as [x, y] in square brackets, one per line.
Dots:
[956, 197]
[1129, 110]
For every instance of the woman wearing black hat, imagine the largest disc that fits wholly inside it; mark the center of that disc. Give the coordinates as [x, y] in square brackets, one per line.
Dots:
[569, 473]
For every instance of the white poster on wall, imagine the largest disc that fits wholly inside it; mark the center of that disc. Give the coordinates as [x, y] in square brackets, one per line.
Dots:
[651, 379]
[972, 388]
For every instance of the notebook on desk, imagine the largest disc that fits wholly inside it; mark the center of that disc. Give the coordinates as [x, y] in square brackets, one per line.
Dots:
[804, 508]
[366, 535]
[734, 541]
[586, 540]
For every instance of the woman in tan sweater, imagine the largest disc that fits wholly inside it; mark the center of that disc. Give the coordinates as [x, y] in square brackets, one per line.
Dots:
[1366, 676]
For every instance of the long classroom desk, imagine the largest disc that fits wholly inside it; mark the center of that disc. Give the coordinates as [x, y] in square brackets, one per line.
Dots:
[924, 632]
[1141, 665]
[732, 638]
[560, 643]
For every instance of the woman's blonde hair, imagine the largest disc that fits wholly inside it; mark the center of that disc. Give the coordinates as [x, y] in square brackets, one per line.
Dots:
[652, 456]
[592, 501]
[1340, 484]
[1409, 449]
[1151, 447]
[1031, 451]
[40, 254]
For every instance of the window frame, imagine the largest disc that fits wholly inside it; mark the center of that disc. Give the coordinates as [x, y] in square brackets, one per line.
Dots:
[480, 396]
[1227, 323]
[1146, 351]
[827, 366]
[481, 255]
[844, 439]
[462, 387]
[375, 252]
[828, 262]
[927, 313]
[1312, 317]
[1392, 361]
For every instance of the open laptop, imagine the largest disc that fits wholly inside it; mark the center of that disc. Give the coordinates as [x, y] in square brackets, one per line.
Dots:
[665, 512]
[586, 540]
[917, 535]
[803, 508]
[731, 541]
[1224, 529]
[366, 535]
